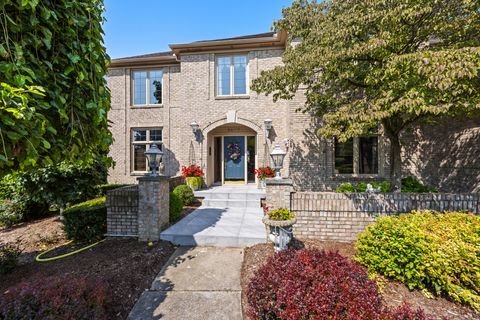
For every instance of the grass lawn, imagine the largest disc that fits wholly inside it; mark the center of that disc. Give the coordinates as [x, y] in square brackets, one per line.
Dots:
[393, 293]
[128, 266]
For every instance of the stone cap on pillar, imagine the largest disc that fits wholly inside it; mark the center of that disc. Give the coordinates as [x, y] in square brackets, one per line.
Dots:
[151, 178]
[279, 182]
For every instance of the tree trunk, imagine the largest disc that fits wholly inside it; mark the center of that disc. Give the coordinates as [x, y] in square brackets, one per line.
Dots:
[395, 162]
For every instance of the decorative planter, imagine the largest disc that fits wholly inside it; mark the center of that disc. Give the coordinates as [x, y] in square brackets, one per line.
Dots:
[262, 183]
[194, 182]
[280, 232]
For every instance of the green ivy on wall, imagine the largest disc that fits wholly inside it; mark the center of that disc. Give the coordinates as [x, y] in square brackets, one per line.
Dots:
[54, 100]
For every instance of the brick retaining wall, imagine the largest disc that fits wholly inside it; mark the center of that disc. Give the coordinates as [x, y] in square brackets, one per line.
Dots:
[342, 216]
[122, 212]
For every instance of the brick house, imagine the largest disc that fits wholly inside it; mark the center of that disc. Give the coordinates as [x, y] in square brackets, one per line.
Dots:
[156, 97]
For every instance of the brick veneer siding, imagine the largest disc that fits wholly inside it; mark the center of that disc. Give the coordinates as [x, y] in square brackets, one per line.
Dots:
[444, 155]
[122, 212]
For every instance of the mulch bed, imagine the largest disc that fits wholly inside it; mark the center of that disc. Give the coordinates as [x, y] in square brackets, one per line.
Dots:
[126, 265]
[393, 293]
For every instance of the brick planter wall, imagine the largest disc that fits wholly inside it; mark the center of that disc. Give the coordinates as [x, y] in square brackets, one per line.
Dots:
[122, 212]
[342, 216]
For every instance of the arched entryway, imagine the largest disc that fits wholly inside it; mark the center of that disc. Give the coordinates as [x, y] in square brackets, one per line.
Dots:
[232, 154]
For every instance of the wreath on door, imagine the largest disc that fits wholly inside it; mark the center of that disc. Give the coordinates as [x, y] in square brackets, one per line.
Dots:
[233, 151]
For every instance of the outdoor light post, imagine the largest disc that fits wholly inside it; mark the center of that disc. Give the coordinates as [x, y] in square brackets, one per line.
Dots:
[154, 156]
[277, 156]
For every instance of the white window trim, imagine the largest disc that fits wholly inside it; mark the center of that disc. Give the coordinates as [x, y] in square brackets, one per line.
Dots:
[147, 142]
[356, 159]
[232, 76]
[147, 91]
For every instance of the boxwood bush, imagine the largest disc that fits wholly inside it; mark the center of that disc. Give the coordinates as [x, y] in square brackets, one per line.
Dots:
[427, 249]
[314, 284]
[185, 193]
[176, 206]
[86, 221]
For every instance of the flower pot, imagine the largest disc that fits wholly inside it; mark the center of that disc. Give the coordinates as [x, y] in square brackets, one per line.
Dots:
[280, 232]
[262, 183]
[194, 182]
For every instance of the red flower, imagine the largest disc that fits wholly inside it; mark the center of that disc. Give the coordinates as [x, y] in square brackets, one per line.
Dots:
[192, 171]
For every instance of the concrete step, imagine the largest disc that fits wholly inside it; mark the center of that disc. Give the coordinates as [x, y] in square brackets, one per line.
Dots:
[231, 203]
[234, 196]
[213, 240]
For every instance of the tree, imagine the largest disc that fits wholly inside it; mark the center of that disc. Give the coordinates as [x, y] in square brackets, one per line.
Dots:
[53, 95]
[387, 63]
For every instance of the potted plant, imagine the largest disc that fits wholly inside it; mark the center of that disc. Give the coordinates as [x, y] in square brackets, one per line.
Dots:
[193, 176]
[262, 174]
[279, 223]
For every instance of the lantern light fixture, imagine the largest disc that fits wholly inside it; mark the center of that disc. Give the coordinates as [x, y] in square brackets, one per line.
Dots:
[278, 155]
[154, 157]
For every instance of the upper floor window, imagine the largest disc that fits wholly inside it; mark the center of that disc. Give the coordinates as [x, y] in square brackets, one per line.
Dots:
[231, 75]
[357, 156]
[147, 87]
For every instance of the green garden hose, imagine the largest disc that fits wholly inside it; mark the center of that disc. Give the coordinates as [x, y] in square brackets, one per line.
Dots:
[39, 259]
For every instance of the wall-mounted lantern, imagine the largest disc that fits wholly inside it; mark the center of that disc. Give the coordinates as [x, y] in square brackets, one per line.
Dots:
[277, 156]
[195, 127]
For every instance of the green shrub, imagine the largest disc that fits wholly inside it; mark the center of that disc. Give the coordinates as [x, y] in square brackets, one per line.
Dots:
[185, 193]
[412, 184]
[427, 249]
[176, 207]
[86, 221]
[347, 187]
[194, 182]
[281, 214]
[9, 253]
[102, 189]
[11, 212]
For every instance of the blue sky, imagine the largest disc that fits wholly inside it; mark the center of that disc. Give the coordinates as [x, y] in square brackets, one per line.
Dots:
[145, 26]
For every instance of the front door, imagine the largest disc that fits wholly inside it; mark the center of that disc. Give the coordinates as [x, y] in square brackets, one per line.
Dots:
[234, 157]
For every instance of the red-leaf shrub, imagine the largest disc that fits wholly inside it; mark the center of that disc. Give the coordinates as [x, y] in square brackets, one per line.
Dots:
[55, 298]
[313, 284]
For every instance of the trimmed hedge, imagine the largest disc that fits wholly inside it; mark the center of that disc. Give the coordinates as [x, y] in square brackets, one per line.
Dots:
[185, 193]
[314, 284]
[86, 221]
[176, 207]
[427, 249]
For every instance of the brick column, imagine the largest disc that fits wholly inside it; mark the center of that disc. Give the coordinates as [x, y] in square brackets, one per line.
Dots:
[153, 207]
[278, 193]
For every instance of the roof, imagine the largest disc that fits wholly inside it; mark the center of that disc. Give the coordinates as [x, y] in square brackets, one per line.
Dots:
[266, 39]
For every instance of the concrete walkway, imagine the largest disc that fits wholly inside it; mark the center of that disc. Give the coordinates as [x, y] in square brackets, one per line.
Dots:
[230, 216]
[196, 283]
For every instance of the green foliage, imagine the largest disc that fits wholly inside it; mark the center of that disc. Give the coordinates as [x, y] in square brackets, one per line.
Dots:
[12, 212]
[411, 184]
[281, 214]
[362, 187]
[194, 182]
[103, 188]
[176, 207]
[9, 253]
[86, 221]
[440, 252]
[362, 64]
[53, 95]
[185, 193]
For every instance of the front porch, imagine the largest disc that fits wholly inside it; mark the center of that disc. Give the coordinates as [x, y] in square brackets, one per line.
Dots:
[230, 216]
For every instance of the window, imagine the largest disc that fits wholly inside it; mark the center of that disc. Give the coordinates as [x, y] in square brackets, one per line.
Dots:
[357, 156]
[141, 141]
[231, 75]
[147, 87]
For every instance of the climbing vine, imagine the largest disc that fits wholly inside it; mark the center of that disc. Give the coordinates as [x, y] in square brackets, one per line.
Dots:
[53, 95]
